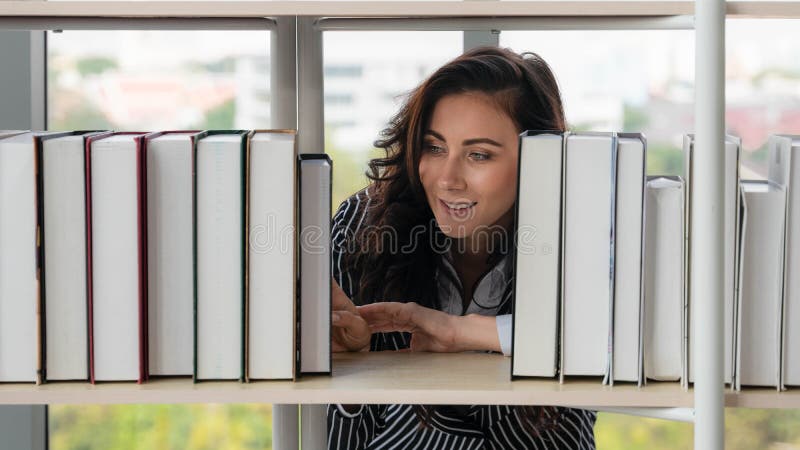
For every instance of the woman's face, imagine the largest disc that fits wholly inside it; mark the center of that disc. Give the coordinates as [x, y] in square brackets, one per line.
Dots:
[468, 165]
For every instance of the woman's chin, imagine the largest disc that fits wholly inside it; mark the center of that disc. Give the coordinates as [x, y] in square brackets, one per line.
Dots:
[455, 230]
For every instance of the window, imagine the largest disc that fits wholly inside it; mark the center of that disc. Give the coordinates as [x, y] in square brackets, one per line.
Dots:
[159, 80]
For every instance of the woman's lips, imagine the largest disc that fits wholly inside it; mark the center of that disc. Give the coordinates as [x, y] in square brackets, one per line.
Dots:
[461, 213]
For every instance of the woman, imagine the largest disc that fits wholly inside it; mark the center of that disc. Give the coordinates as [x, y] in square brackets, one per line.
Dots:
[425, 251]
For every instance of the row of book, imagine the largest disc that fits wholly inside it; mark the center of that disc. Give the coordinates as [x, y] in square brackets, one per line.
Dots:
[181, 253]
[608, 297]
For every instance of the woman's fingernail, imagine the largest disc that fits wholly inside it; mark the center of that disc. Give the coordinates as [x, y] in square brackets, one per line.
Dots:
[335, 317]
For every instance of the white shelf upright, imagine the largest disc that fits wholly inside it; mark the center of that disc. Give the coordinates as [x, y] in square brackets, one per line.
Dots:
[706, 226]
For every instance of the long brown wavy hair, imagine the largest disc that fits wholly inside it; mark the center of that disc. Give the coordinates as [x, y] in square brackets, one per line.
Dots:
[521, 85]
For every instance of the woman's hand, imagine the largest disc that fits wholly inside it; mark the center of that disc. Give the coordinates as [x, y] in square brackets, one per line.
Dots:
[432, 330]
[350, 331]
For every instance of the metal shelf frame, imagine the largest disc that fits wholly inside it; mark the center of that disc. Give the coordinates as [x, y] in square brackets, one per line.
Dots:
[297, 93]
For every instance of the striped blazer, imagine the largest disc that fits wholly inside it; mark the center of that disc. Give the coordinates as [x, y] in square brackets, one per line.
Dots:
[465, 427]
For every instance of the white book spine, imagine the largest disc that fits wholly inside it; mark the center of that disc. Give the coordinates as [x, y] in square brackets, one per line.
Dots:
[792, 281]
[628, 259]
[588, 257]
[761, 301]
[115, 263]
[315, 267]
[271, 257]
[64, 198]
[169, 256]
[18, 284]
[219, 258]
[538, 251]
[664, 279]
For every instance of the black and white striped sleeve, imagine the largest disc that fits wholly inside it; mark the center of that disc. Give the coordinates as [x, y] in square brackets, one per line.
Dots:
[354, 431]
[350, 430]
[344, 225]
[573, 430]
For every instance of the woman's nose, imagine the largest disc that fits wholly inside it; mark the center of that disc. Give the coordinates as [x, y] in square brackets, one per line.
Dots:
[452, 176]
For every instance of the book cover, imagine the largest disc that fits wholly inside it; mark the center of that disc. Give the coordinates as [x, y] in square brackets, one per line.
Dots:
[239, 260]
[169, 192]
[315, 274]
[65, 256]
[537, 255]
[111, 273]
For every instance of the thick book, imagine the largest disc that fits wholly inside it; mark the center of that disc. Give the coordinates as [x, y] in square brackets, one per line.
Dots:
[61, 160]
[116, 257]
[629, 259]
[665, 299]
[537, 256]
[731, 243]
[758, 333]
[588, 268]
[784, 168]
[219, 256]
[270, 292]
[20, 348]
[169, 169]
[315, 275]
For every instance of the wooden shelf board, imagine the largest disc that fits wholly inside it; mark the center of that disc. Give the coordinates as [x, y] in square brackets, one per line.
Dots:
[53, 10]
[389, 377]
[767, 398]
[745, 10]
[384, 377]
[343, 8]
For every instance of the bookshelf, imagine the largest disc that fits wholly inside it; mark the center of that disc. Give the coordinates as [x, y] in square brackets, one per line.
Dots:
[369, 378]
[427, 378]
[385, 378]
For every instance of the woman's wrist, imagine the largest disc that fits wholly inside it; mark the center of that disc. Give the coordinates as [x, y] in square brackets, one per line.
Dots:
[477, 332]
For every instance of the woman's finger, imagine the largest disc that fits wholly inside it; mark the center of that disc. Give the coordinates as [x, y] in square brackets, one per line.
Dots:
[346, 319]
[339, 300]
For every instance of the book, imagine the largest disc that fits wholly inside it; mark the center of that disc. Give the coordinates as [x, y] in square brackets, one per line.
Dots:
[9, 133]
[61, 159]
[271, 256]
[629, 259]
[20, 348]
[784, 168]
[219, 256]
[758, 333]
[170, 251]
[665, 299]
[731, 242]
[537, 256]
[316, 174]
[116, 255]
[588, 268]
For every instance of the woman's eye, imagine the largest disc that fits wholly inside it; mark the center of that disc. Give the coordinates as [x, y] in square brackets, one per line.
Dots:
[433, 148]
[480, 156]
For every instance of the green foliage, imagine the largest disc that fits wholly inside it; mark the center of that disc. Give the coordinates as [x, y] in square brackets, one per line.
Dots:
[634, 119]
[761, 428]
[82, 117]
[135, 427]
[224, 65]
[349, 169]
[664, 160]
[745, 429]
[775, 72]
[95, 65]
[621, 432]
[219, 118]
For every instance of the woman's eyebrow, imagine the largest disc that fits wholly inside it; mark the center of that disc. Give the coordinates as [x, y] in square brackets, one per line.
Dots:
[466, 141]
